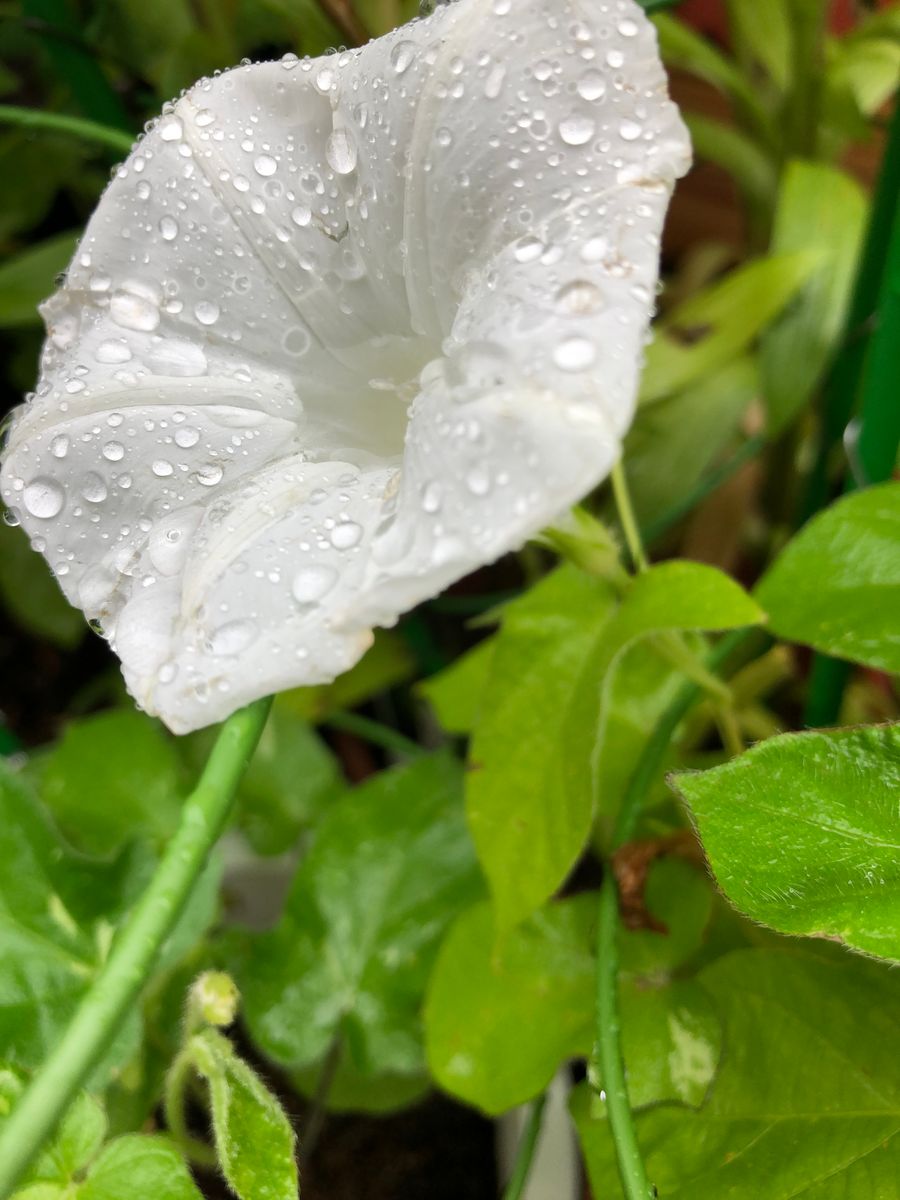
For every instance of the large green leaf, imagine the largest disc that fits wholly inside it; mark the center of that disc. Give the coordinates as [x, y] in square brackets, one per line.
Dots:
[807, 1100]
[254, 1139]
[112, 778]
[823, 210]
[391, 866]
[803, 835]
[716, 325]
[457, 692]
[528, 795]
[836, 586]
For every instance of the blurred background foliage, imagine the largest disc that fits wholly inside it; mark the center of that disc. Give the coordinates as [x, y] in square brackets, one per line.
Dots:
[738, 438]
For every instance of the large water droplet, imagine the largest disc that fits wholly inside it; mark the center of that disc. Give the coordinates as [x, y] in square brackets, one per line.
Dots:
[265, 165]
[346, 535]
[576, 129]
[575, 354]
[168, 228]
[579, 298]
[402, 56]
[591, 85]
[206, 312]
[311, 583]
[93, 488]
[132, 311]
[340, 152]
[233, 637]
[170, 129]
[44, 497]
[115, 350]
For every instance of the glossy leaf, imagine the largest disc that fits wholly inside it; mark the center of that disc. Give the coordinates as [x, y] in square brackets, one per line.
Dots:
[710, 329]
[500, 1020]
[528, 796]
[457, 692]
[805, 1102]
[253, 1137]
[836, 585]
[112, 778]
[802, 834]
[820, 209]
[391, 866]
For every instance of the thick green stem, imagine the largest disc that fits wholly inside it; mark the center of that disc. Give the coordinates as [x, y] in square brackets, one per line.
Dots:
[48, 122]
[136, 949]
[525, 1152]
[633, 1174]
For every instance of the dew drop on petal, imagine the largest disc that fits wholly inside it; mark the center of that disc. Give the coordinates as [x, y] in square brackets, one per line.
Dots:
[301, 215]
[210, 475]
[591, 85]
[340, 152]
[628, 28]
[478, 481]
[168, 228]
[431, 497]
[579, 298]
[311, 583]
[59, 446]
[44, 497]
[265, 165]
[576, 129]
[132, 311]
[346, 535]
[186, 437]
[630, 131]
[528, 248]
[575, 354]
[162, 468]
[206, 312]
[93, 488]
[115, 350]
[233, 637]
[170, 129]
[113, 451]
[493, 85]
[402, 56]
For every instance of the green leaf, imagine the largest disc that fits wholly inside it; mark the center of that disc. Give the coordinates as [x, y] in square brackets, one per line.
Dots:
[528, 798]
[29, 277]
[866, 68]
[754, 171]
[31, 595]
[806, 1101]
[836, 585]
[391, 866]
[139, 1166]
[823, 210]
[254, 1139]
[112, 778]
[456, 693]
[719, 323]
[74, 1143]
[500, 1020]
[672, 444]
[802, 834]
[681, 46]
[762, 33]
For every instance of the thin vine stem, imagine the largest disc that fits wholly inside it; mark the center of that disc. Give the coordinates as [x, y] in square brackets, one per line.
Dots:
[627, 517]
[375, 732]
[50, 122]
[119, 983]
[526, 1149]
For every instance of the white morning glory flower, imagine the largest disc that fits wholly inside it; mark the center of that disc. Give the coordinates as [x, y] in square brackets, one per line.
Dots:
[340, 331]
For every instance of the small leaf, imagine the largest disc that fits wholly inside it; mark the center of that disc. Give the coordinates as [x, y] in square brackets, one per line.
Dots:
[74, 1144]
[456, 693]
[391, 866]
[805, 1102]
[500, 1020]
[802, 834]
[820, 209]
[836, 585]
[139, 1166]
[254, 1139]
[716, 325]
[112, 778]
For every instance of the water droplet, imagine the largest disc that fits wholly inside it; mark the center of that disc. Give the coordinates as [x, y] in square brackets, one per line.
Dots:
[59, 446]
[296, 341]
[615, 59]
[233, 637]
[265, 165]
[209, 475]
[113, 451]
[478, 481]
[186, 437]
[206, 312]
[162, 468]
[168, 228]
[630, 131]
[402, 56]
[301, 215]
[576, 129]
[340, 152]
[93, 488]
[113, 351]
[431, 497]
[627, 28]
[204, 117]
[579, 298]
[591, 85]
[346, 535]
[132, 311]
[575, 354]
[170, 129]
[493, 85]
[44, 497]
[528, 248]
[311, 583]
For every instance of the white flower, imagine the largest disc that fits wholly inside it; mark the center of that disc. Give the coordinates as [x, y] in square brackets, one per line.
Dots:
[342, 330]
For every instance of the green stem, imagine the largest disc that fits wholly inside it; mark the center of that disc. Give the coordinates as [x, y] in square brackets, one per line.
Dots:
[137, 947]
[375, 732]
[177, 1082]
[32, 118]
[525, 1152]
[319, 1108]
[627, 518]
[633, 1174]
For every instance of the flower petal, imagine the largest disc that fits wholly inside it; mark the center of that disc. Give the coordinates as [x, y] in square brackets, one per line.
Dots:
[341, 330]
